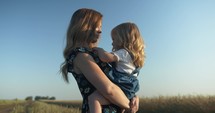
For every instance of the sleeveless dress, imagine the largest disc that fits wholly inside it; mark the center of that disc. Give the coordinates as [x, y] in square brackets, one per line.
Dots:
[85, 87]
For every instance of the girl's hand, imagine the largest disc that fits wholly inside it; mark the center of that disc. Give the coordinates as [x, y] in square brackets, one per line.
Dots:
[98, 50]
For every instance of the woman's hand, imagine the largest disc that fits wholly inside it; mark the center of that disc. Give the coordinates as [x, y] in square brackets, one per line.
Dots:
[134, 105]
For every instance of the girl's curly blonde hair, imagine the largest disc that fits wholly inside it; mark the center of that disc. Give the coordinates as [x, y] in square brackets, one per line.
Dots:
[130, 39]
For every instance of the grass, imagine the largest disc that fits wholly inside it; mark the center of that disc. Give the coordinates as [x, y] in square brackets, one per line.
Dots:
[41, 107]
[169, 104]
[9, 102]
[161, 104]
[64, 103]
[178, 104]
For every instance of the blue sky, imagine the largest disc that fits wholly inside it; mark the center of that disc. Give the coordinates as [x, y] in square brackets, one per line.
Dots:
[179, 37]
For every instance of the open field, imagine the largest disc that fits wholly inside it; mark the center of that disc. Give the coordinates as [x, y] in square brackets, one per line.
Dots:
[64, 103]
[37, 107]
[178, 104]
[161, 104]
[6, 106]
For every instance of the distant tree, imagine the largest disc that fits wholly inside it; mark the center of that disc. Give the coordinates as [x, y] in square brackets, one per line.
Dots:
[37, 98]
[29, 98]
[52, 98]
[44, 98]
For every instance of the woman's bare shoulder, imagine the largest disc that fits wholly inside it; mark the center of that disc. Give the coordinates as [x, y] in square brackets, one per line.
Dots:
[83, 57]
[82, 60]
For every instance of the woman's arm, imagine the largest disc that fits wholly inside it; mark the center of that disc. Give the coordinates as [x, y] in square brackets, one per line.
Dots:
[105, 56]
[86, 65]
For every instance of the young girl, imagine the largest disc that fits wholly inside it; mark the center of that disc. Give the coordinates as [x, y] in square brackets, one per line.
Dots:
[128, 57]
[88, 70]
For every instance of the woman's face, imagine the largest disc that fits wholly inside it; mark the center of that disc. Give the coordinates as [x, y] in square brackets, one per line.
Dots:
[99, 28]
[99, 31]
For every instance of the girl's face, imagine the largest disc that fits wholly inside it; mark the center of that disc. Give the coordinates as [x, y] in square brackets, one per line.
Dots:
[116, 43]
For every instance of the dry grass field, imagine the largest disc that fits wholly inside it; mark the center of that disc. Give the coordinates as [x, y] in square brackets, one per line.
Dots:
[178, 104]
[161, 104]
[8, 106]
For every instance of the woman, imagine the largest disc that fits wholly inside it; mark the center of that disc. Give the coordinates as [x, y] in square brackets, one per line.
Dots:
[89, 71]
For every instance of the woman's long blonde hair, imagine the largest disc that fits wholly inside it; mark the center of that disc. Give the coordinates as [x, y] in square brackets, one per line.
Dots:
[81, 30]
[129, 38]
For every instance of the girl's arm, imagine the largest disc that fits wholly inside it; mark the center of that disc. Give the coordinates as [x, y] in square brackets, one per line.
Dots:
[105, 56]
[86, 65]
